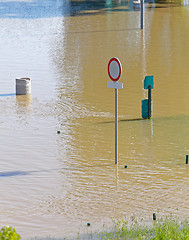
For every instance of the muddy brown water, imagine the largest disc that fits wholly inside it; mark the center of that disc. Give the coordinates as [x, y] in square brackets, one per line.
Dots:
[54, 184]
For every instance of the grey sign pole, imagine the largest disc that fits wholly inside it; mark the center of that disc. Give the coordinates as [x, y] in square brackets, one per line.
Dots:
[142, 14]
[116, 125]
[114, 72]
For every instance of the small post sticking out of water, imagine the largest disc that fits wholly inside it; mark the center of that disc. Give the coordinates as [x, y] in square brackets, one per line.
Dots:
[154, 216]
[186, 159]
[142, 14]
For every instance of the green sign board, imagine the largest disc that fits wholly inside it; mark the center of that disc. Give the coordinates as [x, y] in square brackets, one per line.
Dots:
[149, 81]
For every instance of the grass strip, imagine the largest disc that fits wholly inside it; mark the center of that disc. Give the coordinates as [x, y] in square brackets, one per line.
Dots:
[164, 229]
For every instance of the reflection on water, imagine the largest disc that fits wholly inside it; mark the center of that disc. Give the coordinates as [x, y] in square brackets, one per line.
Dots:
[23, 100]
[53, 184]
[31, 9]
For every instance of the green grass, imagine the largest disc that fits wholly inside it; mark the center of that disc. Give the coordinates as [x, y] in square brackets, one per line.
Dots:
[164, 229]
[167, 229]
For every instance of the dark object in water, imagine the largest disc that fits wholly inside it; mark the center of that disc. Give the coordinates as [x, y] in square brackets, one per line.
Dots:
[154, 216]
[186, 159]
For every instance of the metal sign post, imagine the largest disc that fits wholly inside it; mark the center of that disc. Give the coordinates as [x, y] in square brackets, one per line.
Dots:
[116, 125]
[149, 102]
[142, 14]
[114, 72]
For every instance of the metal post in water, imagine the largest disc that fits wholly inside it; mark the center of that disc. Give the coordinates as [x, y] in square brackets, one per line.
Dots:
[142, 13]
[114, 72]
[116, 125]
[186, 159]
[154, 216]
[149, 102]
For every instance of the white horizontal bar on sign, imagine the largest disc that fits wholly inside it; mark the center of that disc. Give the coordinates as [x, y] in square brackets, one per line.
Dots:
[117, 85]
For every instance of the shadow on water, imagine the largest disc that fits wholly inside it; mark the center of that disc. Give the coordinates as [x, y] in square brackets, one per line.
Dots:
[13, 174]
[126, 120]
[7, 94]
[22, 173]
[170, 118]
[102, 31]
[58, 8]
[26, 173]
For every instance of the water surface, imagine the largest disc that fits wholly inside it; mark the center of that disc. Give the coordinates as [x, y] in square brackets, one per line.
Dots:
[53, 184]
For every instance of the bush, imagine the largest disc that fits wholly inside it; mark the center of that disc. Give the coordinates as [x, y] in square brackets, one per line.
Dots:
[9, 233]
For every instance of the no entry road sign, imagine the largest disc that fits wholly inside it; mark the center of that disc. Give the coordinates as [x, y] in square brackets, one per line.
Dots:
[114, 69]
[114, 72]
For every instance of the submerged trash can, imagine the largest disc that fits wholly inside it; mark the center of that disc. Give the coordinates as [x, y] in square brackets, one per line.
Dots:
[23, 86]
[145, 108]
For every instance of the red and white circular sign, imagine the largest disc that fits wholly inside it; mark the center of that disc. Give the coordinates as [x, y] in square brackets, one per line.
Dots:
[114, 69]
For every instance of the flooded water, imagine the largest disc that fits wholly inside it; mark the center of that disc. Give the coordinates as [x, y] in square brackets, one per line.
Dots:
[54, 184]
